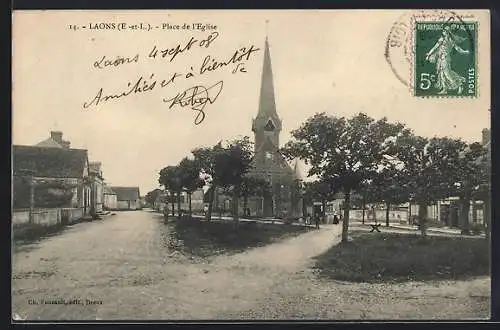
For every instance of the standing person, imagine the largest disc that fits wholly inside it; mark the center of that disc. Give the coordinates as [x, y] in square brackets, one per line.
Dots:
[316, 220]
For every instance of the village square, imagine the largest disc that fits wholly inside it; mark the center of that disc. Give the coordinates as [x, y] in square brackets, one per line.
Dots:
[353, 218]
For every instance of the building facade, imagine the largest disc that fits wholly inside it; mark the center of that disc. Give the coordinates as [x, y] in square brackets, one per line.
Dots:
[128, 198]
[110, 199]
[268, 163]
[50, 178]
[97, 186]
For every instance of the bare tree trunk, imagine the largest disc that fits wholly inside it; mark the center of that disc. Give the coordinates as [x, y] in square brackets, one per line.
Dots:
[32, 200]
[323, 206]
[422, 218]
[236, 197]
[364, 208]
[464, 214]
[179, 204]
[487, 216]
[190, 206]
[474, 211]
[172, 196]
[387, 208]
[245, 205]
[345, 221]
[211, 196]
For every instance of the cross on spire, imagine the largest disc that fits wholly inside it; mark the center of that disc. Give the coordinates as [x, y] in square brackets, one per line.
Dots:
[267, 26]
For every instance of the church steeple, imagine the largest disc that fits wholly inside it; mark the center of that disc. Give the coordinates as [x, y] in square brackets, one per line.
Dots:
[267, 124]
[267, 102]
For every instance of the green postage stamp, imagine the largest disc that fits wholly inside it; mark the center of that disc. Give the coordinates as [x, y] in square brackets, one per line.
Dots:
[445, 62]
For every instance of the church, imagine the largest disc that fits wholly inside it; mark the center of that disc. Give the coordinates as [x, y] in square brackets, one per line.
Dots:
[284, 199]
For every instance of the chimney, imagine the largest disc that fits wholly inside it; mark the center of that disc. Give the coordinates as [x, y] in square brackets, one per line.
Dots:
[486, 136]
[66, 144]
[57, 136]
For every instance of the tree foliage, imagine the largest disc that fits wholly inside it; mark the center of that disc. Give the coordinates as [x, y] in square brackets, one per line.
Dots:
[343, 151]
[225, 166]
[152, 195]
[170, 179]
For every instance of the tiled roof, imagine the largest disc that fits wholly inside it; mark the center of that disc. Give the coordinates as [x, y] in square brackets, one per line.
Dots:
[126, 193]
[49, 143]
[49, 162]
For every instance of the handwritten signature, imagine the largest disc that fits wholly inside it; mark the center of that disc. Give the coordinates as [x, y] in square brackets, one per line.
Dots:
[196, 98]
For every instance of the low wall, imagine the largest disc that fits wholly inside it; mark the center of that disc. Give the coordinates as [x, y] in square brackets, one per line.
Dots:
[46, 217]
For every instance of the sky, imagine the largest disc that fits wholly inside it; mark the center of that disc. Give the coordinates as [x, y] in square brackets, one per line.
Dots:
[322, 61]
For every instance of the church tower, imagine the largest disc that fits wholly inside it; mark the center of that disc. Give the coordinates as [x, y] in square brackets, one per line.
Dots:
[268, 163]
[267, 125]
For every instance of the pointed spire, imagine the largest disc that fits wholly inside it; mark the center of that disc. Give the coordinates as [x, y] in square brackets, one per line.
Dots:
[267, 102]
[267, 26]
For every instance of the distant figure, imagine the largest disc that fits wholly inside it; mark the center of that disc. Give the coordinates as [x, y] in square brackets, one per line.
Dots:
[335, 218]
[316, 220]
[205, 210]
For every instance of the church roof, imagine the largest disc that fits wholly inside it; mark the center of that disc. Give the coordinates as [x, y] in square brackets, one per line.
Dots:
[267, 102]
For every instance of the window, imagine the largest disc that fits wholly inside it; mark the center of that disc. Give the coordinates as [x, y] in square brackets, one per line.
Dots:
[269, 126]
[269, 155]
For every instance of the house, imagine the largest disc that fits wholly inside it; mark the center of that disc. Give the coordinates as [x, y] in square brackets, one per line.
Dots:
[51, 177]
[110, 201]
[97, 186]
[128, 198]
[54, 141]
[96, 182]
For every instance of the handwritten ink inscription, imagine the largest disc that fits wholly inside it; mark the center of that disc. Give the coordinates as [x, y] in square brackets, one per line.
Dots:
[117, 61]
[171, 53]
[195, 98]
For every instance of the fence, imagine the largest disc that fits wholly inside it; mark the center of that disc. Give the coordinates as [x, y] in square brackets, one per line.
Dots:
[46, 217]
[397, 216]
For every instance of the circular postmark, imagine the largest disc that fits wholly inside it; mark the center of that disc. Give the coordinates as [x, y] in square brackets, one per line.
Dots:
[404, 58]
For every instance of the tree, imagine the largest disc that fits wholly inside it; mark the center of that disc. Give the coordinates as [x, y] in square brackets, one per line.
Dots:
[190, 181]
[206, 158]
[152, 196]
[469, 175]
[170, 179]
[431, 165]
[323, 190]
[343, 151]
[252, 186]
[231, 167]
[390, 185]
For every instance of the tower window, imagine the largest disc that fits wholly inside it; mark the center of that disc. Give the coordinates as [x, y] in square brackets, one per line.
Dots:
[269, 126]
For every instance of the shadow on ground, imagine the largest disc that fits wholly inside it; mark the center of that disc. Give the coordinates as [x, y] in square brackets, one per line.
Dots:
[389, 257]
[202, 238]
[27, 237]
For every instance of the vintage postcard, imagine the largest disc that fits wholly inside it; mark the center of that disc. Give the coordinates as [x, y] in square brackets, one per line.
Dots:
[251, 165]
